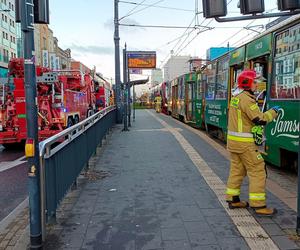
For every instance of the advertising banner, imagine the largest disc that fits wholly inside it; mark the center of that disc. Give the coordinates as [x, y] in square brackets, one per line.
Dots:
[52, 58]
[45, 58]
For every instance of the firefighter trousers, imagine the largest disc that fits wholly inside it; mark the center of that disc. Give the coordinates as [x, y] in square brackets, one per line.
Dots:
[252, 164]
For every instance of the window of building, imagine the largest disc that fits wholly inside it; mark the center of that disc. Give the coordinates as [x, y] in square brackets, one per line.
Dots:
[3, 34]
[5, 17]
[9, 4]
[2, 17]
[6, 36]
[12, 7]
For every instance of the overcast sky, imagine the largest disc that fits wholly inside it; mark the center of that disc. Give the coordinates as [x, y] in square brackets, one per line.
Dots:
[86, 27]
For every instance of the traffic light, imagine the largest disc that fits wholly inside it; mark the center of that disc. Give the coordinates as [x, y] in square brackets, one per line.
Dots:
[288, 4]
[252, 6]
[41, 11]
[214, 8]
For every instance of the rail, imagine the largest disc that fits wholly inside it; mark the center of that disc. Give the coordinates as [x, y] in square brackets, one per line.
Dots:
[64, 155]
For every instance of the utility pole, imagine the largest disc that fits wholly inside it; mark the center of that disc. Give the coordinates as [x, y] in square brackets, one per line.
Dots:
[26, 8]
[125, 83]
[129, 95]
[133, 102]
[117, 63]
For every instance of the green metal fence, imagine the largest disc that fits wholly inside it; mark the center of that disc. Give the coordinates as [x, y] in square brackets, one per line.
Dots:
[64, 156]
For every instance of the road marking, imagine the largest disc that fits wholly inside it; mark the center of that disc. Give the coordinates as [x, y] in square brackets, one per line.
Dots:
[290, 199]
[255, 236]
[155, 129]
[5, 165]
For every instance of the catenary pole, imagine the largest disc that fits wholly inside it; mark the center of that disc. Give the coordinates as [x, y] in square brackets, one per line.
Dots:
[27, 20]
[117, 63]
[125, 83]
[133, 102]
[129, 95]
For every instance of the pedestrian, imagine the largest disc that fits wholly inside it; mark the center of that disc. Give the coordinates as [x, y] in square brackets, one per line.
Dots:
[245, 121]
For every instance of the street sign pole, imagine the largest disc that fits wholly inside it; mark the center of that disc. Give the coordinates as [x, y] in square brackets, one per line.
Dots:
[32, 144]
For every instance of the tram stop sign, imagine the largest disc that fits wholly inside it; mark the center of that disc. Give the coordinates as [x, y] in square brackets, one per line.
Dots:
[141, 59]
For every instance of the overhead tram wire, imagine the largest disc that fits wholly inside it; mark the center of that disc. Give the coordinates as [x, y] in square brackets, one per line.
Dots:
[157, 26]
[227, 39]
[158, 6]
[199, 32]
[132, 13]
[184, 34]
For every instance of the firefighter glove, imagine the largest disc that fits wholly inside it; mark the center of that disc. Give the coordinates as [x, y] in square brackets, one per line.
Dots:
[276, 108]
[258, 132]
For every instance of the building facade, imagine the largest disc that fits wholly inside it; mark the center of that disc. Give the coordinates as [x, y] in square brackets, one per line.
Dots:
[176, 66]
[156, 77]
[47, 51]
[8, 33]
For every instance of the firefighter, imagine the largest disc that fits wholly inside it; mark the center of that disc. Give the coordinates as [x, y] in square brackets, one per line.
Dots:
[158, 103]
[243, 119]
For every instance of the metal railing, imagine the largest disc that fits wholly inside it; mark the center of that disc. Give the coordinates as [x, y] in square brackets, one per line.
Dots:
[64, 155]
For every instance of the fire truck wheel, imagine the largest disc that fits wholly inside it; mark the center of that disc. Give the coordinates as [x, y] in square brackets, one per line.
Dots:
[70, 122]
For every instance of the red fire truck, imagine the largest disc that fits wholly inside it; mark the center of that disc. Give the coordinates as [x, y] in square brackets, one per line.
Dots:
[64, 98]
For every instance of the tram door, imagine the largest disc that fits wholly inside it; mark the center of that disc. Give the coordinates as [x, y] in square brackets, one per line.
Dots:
[260, 65]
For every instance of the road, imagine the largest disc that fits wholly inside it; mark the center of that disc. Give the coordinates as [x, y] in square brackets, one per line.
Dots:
[13, 180]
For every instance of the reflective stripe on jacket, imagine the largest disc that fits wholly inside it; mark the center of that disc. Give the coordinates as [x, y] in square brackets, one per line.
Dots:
[244, 113]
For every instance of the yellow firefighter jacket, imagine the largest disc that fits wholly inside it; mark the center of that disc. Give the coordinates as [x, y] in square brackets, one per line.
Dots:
[244, 113]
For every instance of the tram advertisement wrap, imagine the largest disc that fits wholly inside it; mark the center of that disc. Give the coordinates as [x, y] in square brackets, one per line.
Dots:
[283, 132]
[215, 113]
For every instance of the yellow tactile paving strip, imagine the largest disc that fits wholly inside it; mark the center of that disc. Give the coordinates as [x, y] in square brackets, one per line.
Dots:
[249, 228]
[290, 199]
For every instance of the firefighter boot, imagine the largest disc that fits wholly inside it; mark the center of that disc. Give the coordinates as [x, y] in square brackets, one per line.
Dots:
[264, 211]
[237, 203]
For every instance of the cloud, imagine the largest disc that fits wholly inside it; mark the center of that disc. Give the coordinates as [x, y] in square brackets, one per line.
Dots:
[92, 49]
[109, 24]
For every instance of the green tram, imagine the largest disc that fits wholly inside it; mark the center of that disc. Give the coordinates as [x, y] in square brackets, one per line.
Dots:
[186, 99]
[276, 56]
[201, 98]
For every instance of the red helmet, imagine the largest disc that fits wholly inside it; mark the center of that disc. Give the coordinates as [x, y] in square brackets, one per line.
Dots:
[246, 78]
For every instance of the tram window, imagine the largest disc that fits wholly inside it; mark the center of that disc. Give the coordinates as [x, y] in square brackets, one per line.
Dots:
[222, 79]
[286, 82]
[210, 90]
